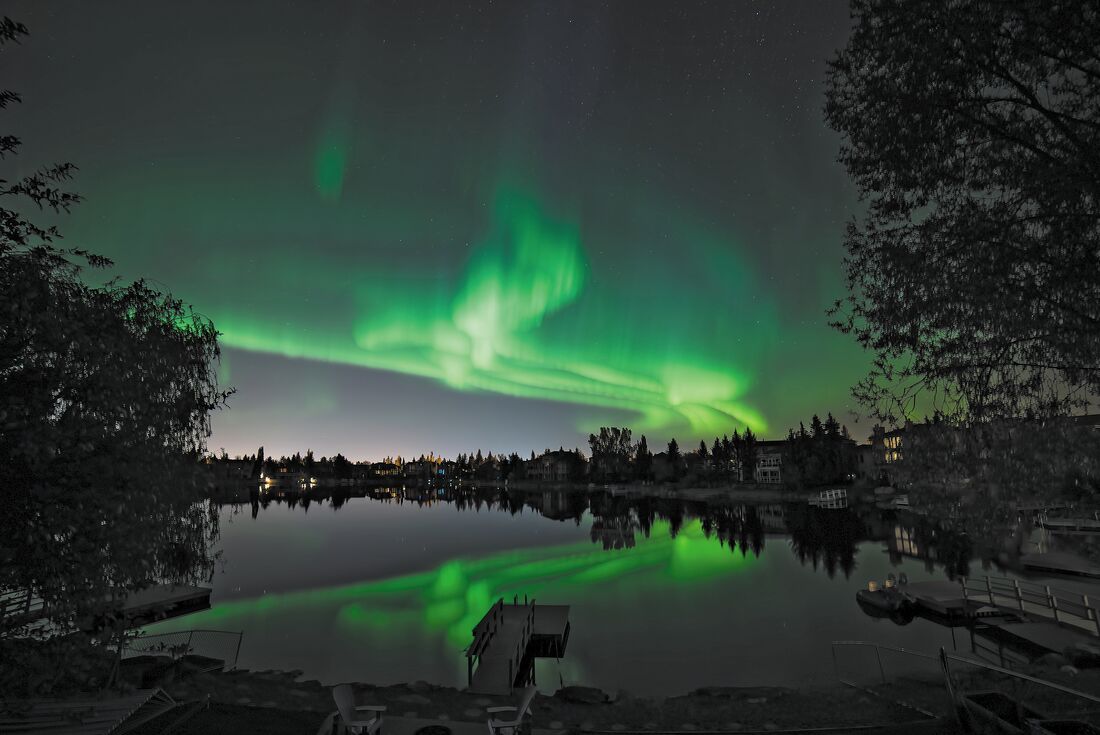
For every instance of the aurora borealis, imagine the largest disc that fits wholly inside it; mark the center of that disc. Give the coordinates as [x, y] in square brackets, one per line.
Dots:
[439, 226]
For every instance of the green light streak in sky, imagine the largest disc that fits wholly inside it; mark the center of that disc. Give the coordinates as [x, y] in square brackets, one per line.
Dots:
[518, 322]
[329, 165]
[452, 598]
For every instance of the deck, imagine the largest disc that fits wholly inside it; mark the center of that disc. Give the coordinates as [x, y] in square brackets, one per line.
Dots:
[941, 598]
[154, 603]
[509, 638]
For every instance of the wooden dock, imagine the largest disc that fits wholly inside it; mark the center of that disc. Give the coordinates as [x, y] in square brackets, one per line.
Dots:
[509, 638]
[1034, 617]
[136, 609]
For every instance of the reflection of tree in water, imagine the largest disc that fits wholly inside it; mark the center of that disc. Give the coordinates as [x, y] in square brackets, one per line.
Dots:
[738, 526]
[614, 532]
[825, 538]
[934, 543]
[614, 522]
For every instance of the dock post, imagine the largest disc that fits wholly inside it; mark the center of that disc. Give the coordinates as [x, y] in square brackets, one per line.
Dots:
[1052, 601]
[1090, 612]
[989, 589]
[1019, 594]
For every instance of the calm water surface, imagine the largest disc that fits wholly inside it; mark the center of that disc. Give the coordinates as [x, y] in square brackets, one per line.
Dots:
[386, 592]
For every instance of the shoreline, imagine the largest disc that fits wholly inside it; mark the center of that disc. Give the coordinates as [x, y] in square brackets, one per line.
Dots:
[242, 700]
[573, 709]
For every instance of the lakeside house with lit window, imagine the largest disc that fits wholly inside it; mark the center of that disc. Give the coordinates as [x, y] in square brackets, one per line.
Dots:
[384, 469]
[928, 445]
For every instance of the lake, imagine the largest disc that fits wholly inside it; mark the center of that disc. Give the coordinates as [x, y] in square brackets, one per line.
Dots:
[386, 589]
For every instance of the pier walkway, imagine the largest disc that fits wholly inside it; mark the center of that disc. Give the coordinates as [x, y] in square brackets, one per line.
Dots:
[1036, 616]
[509, 638]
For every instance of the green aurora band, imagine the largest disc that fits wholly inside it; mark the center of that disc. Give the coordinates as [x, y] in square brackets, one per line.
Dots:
[494, 330]
[642, 250]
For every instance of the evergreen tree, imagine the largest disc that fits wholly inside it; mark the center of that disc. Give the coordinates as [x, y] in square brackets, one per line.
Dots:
[258, 465]
[643, 461]
[749, 453]
[675, 460]
[817, 431]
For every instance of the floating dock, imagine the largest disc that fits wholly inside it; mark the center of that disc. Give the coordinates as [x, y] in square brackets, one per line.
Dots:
[508, 640]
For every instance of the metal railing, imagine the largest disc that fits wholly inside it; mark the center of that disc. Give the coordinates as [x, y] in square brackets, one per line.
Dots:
[1063, 606]
[878, 648]
[20, 606]
[961, 676]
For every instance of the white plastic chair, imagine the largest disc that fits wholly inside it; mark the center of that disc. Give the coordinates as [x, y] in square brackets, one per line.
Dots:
[345, 703]
[511, 727]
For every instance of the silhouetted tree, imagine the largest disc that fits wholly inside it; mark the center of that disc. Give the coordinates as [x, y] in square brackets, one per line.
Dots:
[105, 394]
[748, 455]
[643, 461]
[675, 459]
[972, 131]
[258, 464]
[611, 452]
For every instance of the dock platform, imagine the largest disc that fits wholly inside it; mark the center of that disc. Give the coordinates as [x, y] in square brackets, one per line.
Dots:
[941, 598]
[135, 608]
[509, 638]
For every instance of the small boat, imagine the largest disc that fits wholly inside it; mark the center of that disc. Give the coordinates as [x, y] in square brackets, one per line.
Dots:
[887, 602]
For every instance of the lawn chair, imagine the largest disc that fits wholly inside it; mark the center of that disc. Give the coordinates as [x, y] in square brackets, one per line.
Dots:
[345, 703]
[513, 726]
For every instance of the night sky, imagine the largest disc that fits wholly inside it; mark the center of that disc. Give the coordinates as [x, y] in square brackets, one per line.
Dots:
[441, 226]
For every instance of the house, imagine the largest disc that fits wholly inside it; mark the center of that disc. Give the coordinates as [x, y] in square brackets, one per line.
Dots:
[231, 470]
[424, 468]
[553, 466]
[384, 469]
[769, 462]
